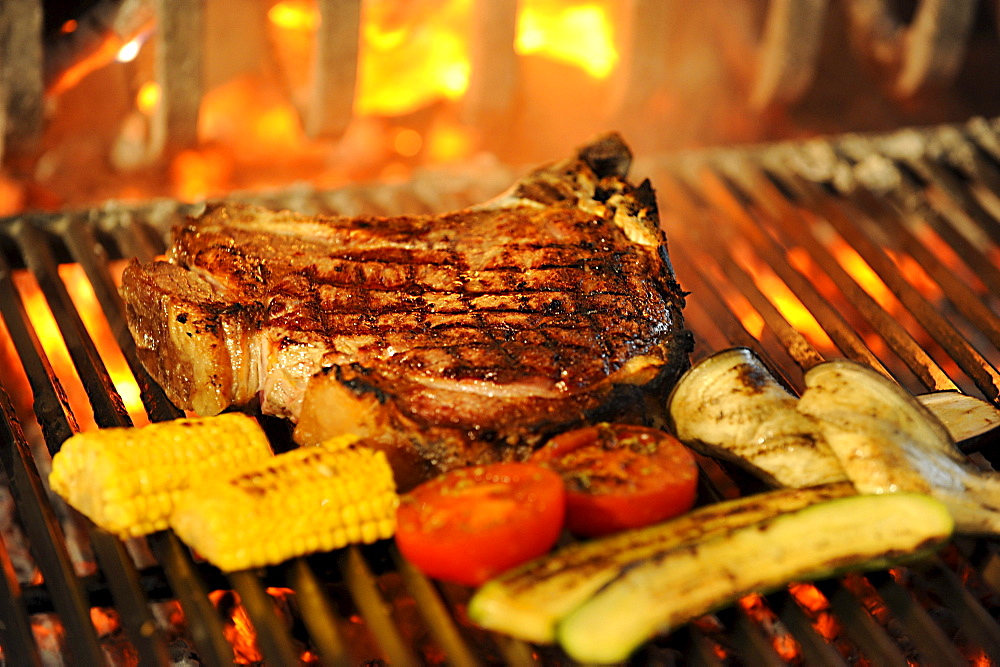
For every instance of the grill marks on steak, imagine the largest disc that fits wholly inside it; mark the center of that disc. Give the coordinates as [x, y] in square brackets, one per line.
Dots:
[461, 337]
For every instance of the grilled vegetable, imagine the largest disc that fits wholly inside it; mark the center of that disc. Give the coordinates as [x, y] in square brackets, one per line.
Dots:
[674, 586]
[529, 601]
[310, 499]
[972, 422]
[472, 523]
[731, 407]
[620, 476]
[887, 441]
[127, 479]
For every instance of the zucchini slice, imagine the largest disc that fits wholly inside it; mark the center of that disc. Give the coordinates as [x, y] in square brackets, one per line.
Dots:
[674, 586]
[528, 601]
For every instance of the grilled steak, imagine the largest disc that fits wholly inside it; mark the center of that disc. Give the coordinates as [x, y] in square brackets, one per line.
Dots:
[449, 339]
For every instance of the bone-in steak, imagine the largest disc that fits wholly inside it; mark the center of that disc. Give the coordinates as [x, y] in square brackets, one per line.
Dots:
[448, 339]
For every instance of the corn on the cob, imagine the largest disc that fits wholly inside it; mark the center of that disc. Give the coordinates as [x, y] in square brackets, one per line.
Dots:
[126, 479]
[307, 500]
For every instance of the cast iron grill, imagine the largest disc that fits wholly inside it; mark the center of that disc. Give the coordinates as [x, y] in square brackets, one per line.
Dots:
[883, 249]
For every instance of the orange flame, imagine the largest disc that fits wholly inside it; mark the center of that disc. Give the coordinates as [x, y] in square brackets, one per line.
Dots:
[85, 300]
[238, 629]
[579, 35]
[299, 15]
[411, 55]
[54, 347]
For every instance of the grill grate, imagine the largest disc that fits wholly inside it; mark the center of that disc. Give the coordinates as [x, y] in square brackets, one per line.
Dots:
[883, 249]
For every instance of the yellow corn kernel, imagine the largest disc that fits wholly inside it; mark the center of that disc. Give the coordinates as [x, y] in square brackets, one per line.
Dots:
[126, 479]
[309, 499]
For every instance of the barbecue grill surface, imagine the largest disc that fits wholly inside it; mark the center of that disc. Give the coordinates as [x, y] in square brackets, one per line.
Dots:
[882, 249]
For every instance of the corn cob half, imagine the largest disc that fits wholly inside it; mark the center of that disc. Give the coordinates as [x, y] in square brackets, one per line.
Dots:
[310, 499]
[126, 479]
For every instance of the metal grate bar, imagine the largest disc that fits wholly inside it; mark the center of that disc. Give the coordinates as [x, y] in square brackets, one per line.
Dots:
[792, 224]
[318, 614]
[15, 627]
[107, 404]
[274, 642]
[842, 333]
[373, 607]
[120, 570]
[47, 542]
[841, 215]
[933, 646]
[719, 258]
[436, 615]
[864, 631]
[815, 649]
[956, 290]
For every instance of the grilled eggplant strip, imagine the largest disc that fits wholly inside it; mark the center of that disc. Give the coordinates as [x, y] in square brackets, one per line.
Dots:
[887, 442]
[972, 422]
[730, 406]
[676, 585]
[529, 601]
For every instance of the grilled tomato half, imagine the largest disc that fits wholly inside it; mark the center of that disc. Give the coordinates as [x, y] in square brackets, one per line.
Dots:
[621, 476]
[471, 524]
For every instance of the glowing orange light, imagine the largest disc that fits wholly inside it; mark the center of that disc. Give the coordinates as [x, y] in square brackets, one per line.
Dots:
[251, 121]
[199, 174]
[105, 53]
[863, 274]
[809, 597]
[238, 629]
[54, 347]
[11, 196]
[69, 26]
[407, 142]
[411, 57]
[294, 15]
[82, 295]
[277, 126]
[129, 51]
[917, 276]
[782, 298]
[148, 97]
[579, 35]
[449, 142]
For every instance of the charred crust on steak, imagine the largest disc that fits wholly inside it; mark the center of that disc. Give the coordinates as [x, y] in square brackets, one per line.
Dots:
[608, 156]
[456, 338]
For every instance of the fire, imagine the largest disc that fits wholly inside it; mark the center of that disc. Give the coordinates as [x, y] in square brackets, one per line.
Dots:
[782, 297]
[580, 35]
[785, 645]
[299, 15]
[106, 52]
[54, 347]
[412, 55]
[238, 629]
[86, 303]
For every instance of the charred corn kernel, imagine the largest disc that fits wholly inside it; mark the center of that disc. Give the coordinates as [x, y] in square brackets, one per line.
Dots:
[309, 499]
[126, 479]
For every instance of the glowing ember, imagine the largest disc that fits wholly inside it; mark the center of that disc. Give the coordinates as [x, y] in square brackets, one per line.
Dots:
[580, 35]
[86, 303]
[54, 347]
[238, 628]
[784, 643]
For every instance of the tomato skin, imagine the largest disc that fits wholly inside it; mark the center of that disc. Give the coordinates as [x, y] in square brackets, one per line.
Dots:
[471, 524]
[621, 476]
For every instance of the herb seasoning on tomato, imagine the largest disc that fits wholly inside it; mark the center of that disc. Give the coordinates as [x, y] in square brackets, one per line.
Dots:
[471, 524]
[620, 476]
